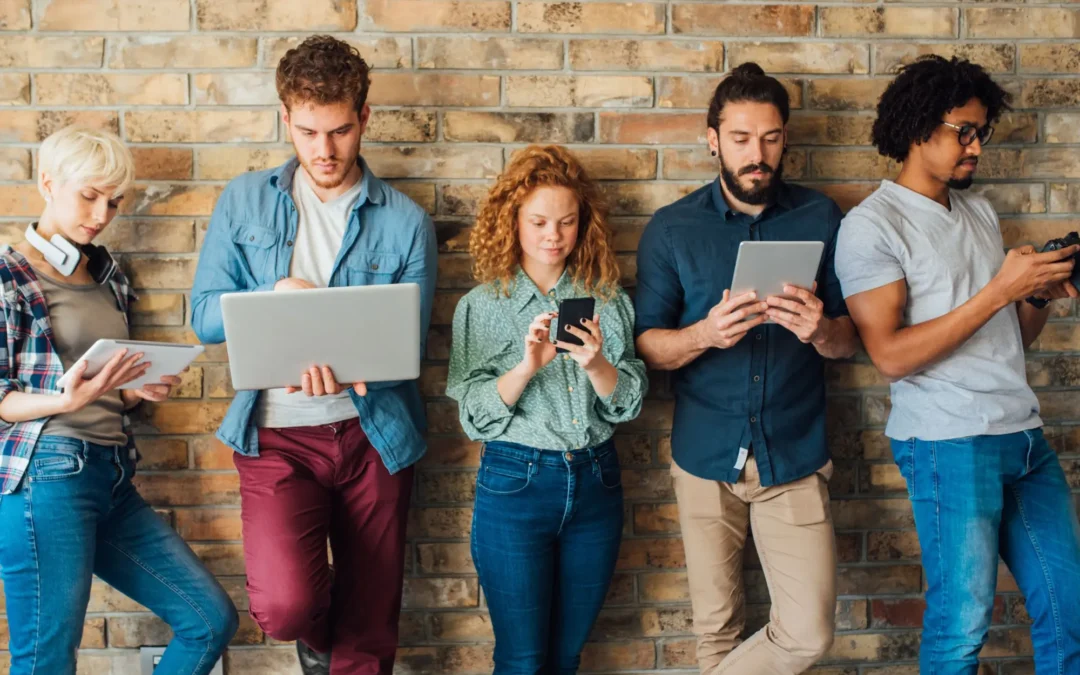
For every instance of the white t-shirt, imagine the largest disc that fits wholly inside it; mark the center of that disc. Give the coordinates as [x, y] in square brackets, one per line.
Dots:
[319, 233]
[946, 256]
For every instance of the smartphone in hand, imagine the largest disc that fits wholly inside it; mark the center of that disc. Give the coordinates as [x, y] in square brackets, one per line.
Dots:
[571, 312]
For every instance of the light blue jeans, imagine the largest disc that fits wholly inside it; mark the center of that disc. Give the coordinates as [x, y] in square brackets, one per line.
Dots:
[77, 514]
[975, 498]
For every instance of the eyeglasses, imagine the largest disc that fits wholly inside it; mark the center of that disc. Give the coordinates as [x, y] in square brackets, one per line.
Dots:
[968, 133]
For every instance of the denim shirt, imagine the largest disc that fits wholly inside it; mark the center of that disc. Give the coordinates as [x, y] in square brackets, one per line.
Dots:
[389, 239]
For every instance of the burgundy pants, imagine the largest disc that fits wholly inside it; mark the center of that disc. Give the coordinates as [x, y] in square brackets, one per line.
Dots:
[307, 484]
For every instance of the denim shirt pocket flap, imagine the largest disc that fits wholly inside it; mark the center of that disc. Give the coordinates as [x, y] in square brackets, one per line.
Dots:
[250, 234]
[375, 266]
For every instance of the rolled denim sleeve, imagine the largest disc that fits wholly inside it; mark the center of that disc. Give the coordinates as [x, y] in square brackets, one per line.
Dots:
[624, 403]
[473, 379]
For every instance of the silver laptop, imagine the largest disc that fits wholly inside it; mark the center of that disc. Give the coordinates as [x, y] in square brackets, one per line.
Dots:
[364, 333]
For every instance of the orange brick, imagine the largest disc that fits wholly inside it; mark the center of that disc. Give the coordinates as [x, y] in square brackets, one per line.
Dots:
[162, 163]
[743, 20]
[428, 162]
[91, 89]
[928, 22]
[15, 15]
[189, 488]
[680, 55]
[383, 52]
[115, 15]
[31, 51]
[1027, 22]
[208, 524]
[489, 53]
[34, 126]
[277, 15]
[802, 57]
[390, 88]
[15, 164]
[590, 17]
[652, 128]
[697, 91]
[435, 15]
[582, 91]
[189, 51]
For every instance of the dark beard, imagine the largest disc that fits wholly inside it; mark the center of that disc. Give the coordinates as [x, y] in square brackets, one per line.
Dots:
[761, 193]
[960, 183]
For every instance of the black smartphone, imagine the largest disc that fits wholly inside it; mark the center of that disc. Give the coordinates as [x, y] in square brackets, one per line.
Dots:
[571, 312]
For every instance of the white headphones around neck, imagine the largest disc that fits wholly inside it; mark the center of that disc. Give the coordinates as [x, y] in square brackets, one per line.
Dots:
[65, 256]
[58, 251]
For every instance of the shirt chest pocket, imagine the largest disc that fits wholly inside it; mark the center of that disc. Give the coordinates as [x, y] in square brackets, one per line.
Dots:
[370, 268]
[256, 244]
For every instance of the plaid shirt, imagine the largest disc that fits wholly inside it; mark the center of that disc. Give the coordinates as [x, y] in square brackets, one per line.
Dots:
[29, 361]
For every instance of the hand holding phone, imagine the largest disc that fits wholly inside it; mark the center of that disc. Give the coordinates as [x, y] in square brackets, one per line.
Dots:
[573, 312]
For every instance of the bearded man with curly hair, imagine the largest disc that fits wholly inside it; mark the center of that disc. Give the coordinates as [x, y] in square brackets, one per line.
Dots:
[324, 459]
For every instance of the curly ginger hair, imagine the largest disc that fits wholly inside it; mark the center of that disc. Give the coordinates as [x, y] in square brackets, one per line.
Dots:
[494, 243]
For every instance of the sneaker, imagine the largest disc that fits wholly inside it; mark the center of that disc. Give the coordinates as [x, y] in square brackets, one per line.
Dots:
[311, 661]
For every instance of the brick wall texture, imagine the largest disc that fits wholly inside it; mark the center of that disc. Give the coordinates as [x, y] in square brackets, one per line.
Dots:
[458, 86]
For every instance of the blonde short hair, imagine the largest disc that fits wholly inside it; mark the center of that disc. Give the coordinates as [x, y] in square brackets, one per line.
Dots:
[88, 155]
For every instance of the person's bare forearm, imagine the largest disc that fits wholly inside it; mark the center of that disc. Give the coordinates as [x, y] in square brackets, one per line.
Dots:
[914, 348]
[671, 349]
[513, 382]
[1032, 321]
[840, 341]
[603, 378]
[20, 406]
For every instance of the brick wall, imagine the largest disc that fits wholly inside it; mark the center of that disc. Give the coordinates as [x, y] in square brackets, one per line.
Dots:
[458, 86]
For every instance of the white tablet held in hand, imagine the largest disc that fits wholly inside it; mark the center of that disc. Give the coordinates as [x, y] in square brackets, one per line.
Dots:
[166, 358]
[363, 333]
[767, 266]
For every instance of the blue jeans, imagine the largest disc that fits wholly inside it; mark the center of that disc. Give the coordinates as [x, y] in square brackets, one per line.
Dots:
[545, 538]
[77, 514]
[973, 499]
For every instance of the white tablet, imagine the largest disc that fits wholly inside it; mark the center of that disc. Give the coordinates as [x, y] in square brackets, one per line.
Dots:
[364, 333]
[165, 358]
[767, 266]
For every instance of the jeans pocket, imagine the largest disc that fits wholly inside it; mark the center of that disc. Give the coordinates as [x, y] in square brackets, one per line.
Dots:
[52, 464]
[606, 467]
[904, 457]
[503, 475]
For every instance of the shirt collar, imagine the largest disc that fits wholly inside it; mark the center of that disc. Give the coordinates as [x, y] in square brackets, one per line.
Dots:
[782, 201]
[525, 289]
[372, 188]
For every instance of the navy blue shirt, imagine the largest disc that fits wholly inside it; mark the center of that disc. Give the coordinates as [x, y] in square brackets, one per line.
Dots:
[767, 392]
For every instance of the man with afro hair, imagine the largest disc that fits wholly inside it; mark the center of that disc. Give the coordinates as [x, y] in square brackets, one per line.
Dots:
[945, 314]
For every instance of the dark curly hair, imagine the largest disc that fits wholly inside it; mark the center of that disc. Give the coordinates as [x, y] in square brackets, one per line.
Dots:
[748, 82]
[323, 70]
[914, 104]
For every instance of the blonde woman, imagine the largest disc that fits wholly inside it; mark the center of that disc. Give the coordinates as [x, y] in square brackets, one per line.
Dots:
[549, 512]
[68, 509]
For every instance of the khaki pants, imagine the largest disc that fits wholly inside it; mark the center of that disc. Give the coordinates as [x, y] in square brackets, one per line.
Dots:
[793, 532]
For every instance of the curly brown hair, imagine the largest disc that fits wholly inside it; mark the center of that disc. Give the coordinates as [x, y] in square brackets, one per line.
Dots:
[323, 70]
[494, 241]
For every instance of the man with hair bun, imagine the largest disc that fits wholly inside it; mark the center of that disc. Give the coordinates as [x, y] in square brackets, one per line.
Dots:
[748, 441]
[325, 459]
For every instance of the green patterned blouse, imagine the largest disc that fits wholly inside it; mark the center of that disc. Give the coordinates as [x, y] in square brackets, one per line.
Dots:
[558, 409]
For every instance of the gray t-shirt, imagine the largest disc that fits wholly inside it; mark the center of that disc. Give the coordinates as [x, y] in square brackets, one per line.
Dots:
[82, 314]
[946, 256]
